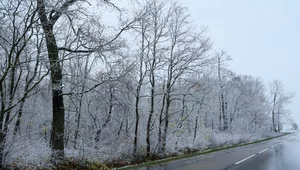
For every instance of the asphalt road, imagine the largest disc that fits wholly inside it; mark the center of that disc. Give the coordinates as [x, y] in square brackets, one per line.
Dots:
[278, 154]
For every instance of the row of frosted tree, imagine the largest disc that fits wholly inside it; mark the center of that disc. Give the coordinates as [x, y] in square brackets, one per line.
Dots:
[73, 84]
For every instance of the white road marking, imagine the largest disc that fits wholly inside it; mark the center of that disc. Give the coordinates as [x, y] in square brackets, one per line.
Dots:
[189, 162]
[276, 145]
[263, 151]
[244, 159]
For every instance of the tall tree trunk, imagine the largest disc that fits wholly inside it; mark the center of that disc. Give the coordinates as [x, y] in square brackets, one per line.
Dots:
[273, 121]
[18, 122]
[206, 120]
[223, 108]
[196, 127]
[221, 98]
[58, 111]
[182, 111]
[137, 117]
[137, 100]
[273, 114]
[168, 104]
[80, 101]
[150, 115]
[2, 133]
[220, 115]
[152, 82]
[278, 121]
[160, 123]
[78, 119]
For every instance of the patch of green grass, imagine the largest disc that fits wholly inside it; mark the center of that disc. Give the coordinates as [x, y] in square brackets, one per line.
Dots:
[197, 153]
[73, 164]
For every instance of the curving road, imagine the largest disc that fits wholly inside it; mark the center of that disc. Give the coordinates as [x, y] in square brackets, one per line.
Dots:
[277, 154]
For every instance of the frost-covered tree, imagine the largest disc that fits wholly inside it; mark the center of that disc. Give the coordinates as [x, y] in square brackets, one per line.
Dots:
[21, 71]
[279, 100]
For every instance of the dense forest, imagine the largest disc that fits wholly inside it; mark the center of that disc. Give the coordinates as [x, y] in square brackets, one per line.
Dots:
[100, 80]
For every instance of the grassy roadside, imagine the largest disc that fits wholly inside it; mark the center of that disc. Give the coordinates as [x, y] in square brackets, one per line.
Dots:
[197, 153]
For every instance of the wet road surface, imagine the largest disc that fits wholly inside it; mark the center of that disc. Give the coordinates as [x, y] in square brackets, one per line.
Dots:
[278, 154]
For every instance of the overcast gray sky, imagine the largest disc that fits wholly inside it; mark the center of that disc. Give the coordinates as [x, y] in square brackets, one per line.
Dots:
[262, 37]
